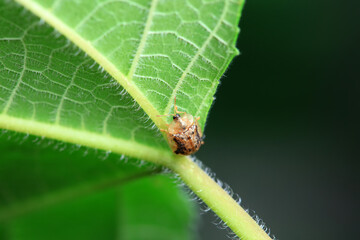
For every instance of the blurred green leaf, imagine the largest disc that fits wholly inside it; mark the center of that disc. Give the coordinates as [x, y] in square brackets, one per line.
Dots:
[52, 190]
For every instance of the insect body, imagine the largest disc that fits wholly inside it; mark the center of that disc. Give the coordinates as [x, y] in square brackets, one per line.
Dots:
[184, 133]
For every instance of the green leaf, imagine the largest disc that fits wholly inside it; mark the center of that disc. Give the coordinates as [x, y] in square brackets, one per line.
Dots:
[48, 84]
[50, 88]
[63, 194]
[155, 49]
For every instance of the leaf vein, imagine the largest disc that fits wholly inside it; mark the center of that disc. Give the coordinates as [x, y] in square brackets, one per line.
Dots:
[142, 43]
[13, 93]
[197, 55]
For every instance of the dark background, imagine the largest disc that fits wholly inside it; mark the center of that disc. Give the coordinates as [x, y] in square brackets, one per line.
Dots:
[284, 129]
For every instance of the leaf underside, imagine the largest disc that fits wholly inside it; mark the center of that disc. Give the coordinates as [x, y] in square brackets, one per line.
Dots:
[165, 48]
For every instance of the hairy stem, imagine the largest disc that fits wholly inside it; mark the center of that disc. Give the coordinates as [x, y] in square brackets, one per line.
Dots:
[233, 215]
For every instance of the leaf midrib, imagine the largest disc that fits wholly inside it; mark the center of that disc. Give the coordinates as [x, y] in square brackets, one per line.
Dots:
[141, 46]
[91, 139]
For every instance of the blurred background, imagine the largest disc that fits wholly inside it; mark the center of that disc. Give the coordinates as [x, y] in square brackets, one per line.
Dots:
[284, 129]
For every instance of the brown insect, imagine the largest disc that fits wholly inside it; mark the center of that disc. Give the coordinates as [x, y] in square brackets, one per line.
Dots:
[183, 133]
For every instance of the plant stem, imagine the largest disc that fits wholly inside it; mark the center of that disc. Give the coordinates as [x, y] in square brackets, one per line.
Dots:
[233, 215]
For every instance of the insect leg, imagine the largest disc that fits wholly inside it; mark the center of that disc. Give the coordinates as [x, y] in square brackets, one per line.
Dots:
[176, 108]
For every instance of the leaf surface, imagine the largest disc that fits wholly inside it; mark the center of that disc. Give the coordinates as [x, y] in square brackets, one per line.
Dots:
[156, 49]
